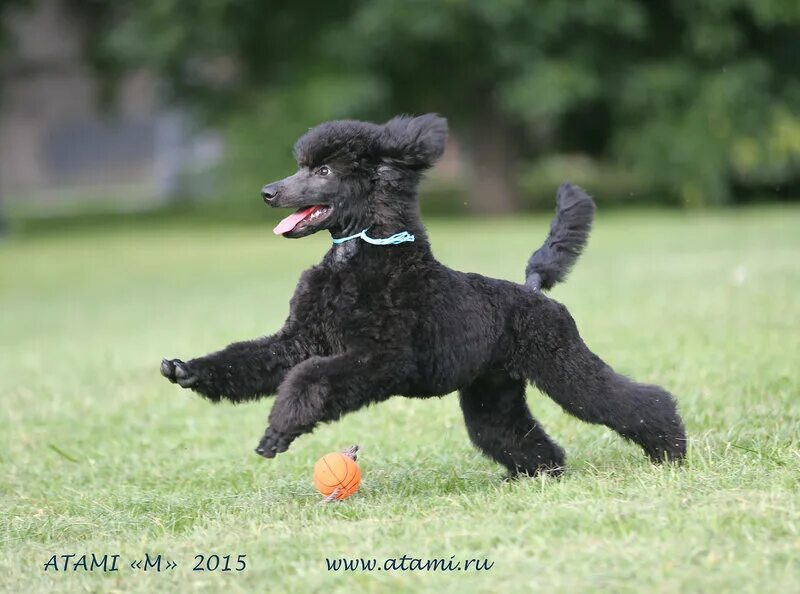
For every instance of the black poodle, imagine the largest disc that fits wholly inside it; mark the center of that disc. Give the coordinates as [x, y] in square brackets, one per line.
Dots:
[380, 316]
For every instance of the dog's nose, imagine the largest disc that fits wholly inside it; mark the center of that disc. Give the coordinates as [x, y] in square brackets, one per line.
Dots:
[269, 192]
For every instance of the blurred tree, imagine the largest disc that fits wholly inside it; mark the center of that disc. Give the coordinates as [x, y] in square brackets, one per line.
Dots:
[4, 6]
[695, 95]
[4, 42]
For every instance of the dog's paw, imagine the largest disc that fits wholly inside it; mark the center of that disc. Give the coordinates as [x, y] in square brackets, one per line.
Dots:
[178, 372]
[663, 440]
[670, 449]
[274, 443]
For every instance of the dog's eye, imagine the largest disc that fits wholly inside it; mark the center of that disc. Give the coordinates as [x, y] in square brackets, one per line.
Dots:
[324, 170]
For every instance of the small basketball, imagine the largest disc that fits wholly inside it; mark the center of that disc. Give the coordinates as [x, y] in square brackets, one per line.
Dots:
[337, 471]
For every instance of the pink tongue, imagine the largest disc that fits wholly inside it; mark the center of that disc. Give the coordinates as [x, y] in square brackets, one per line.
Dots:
[291, 221]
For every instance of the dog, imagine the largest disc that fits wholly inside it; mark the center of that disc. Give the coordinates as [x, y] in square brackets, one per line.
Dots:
[379, 316]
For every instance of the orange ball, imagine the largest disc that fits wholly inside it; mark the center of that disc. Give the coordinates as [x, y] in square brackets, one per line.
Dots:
[337, 471]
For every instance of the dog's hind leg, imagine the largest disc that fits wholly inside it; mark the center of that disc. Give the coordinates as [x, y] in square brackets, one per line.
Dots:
[500, 424]
[550, 352]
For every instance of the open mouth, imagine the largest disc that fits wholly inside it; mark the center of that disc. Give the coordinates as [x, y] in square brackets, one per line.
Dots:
[303, 218]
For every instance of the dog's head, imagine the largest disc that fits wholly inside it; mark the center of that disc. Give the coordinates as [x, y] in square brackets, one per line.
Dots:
[352, 175]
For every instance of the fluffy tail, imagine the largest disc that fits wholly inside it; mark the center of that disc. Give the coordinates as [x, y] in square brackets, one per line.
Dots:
[569, 233]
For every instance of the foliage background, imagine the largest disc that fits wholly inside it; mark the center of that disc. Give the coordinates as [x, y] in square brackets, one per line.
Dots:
[689, 103]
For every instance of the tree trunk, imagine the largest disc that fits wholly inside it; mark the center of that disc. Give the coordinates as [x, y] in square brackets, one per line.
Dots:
[490, 152]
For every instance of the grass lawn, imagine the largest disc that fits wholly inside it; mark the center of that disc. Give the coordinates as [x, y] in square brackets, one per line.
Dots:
[101, 455]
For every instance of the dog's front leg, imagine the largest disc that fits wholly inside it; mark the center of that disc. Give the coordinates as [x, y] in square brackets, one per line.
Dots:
[323, 389]
[240, 371]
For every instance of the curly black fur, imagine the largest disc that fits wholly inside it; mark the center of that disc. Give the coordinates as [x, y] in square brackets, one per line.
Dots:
[569, 233]
[372, 321]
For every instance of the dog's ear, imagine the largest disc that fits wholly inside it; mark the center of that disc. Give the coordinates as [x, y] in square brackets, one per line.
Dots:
[414, 142]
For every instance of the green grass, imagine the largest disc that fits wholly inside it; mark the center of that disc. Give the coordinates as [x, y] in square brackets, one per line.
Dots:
[100, 454]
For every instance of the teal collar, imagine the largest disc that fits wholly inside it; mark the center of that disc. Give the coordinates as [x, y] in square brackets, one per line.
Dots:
[401, 237]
